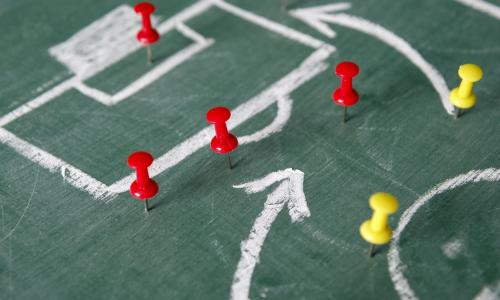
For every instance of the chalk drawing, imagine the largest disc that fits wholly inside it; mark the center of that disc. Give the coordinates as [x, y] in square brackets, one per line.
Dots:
[452, 248]
[112, 38]
[291, 192]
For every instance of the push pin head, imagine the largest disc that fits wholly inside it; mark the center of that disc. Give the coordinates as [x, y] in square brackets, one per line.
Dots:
[140, 159]
[218, 114]
[470, 72]
[384, 203]
[144, 8]
[347, 69]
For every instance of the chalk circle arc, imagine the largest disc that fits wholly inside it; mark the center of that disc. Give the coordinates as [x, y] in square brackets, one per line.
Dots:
[284, 112]
[396, 266]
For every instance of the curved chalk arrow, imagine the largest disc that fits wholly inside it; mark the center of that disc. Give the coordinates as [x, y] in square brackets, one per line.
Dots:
[316, 17]
[289, 191]
[284, 104]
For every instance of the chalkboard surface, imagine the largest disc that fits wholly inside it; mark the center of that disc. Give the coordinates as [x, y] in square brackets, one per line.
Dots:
[77, 97]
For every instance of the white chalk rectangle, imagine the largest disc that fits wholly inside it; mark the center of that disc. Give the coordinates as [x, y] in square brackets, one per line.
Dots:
[100, 44]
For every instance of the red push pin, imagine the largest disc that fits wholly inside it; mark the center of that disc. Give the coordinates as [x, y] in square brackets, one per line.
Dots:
[143, 188]
[346, 95]
[147, 35]
[223, 141]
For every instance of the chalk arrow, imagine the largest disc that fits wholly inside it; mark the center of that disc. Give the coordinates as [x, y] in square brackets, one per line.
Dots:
[318, 17]
[289, 191]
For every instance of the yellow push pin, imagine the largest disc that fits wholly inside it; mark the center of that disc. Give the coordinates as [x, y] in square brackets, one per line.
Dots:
[463, 96]
[376, 230]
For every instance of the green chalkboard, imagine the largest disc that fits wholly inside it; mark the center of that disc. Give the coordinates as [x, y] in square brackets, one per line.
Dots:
[77, 97]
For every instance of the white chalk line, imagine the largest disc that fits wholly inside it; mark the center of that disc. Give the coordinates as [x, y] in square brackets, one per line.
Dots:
[320, 14]
[270, 25]
[191, 34]
[290, 192]
[74, 176]
[183, 16]
[396, 266]
[483, 6]
[96, 94]
[38, 101]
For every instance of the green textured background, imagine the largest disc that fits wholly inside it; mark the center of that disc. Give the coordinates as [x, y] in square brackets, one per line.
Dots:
[58, 243]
